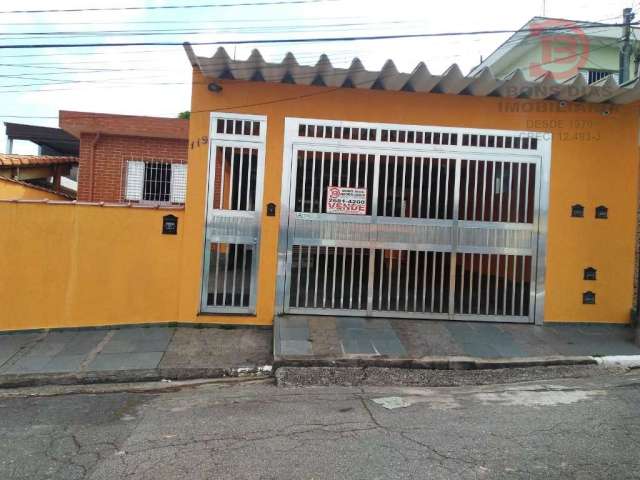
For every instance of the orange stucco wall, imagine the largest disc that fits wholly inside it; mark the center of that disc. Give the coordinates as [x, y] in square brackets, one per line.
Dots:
[10, 190]
[594, 161]
[86, 265]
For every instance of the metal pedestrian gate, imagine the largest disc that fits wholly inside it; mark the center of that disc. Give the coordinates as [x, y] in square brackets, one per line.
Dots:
[234, 199]
[413, 221]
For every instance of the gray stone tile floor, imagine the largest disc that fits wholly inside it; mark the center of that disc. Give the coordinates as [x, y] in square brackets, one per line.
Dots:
[132, 348]
[151, 347]
[402, 338]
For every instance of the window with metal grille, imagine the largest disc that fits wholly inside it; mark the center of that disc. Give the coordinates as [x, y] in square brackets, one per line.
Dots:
[525, 142]
[155, 181]
[592, 76]
[233, 126]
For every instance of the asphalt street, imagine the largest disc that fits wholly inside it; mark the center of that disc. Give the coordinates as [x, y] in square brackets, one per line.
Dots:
[586, 428]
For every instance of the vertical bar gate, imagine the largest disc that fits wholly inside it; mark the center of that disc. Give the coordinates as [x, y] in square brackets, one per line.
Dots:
[234, 199]
[450, 228]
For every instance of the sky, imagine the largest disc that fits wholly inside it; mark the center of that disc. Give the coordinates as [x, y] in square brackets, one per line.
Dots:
[140, 80]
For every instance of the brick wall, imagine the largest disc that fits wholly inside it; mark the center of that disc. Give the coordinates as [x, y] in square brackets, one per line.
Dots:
[111, 153]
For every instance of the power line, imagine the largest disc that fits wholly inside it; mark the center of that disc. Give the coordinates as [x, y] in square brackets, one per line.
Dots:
[43, 81]
[182, 21]
[164, 7]
[53, 82]
[299, 55]
[263, 41]
[202, 31]
[509, 41]
[172, 32]
[190, 21]
[197, 31]
[323, 91]
[160, 49]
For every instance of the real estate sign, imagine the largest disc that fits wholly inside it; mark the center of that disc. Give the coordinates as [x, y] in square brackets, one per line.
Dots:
[347, 200]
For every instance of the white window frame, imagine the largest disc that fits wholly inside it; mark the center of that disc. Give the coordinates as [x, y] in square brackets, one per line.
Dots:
[134, 182]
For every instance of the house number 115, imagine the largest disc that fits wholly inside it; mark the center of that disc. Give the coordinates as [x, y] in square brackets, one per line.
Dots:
[200, 141]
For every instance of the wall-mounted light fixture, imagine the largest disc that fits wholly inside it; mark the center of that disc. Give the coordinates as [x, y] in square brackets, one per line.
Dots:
[577, 211]
[602, 212]
[589, 298]
[590, 273]
[214, 87]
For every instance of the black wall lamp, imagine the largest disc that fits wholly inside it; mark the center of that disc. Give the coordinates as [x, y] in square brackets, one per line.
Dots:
[590, 273]
[602, 212]
[214, 87]
[589, 298]
[577, 211]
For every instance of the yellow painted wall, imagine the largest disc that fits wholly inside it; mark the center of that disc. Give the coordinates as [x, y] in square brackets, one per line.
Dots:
[82, 265]
[594, 161]
[17, 191]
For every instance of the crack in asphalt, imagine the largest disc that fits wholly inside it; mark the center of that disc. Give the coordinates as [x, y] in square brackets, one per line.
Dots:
[136, 454]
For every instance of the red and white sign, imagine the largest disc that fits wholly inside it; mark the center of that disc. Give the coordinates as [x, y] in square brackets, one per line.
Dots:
[346, 200]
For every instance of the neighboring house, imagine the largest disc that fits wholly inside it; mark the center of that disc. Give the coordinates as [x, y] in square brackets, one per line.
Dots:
[126, 158]
[55, 165]
[44, 171]
[577, 53]
[565, 49]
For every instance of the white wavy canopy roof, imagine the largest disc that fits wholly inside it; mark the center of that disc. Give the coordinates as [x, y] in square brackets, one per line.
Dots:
[452, 81]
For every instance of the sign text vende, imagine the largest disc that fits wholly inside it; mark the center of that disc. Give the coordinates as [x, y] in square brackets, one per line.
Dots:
[346, 200]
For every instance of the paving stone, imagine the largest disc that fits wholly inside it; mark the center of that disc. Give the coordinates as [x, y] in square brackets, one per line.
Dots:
[498, 340]
[355, 341]
[27, 364]
[324, 333]
[217, 347]
[125, 361]
[423, 338]
[293, 336]
[130, 340]
[65, 363]
[53, 343]
[83, 342]
[420, 338]
[12, 343]
[46, 364]
[295, 347]
[386, 342]
[528, 341]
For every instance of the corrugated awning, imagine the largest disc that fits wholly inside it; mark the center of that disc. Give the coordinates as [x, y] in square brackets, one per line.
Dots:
[452, 81]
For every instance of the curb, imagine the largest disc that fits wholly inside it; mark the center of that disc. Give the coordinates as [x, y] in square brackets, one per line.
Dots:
[622, 361]
[436, 363]
[20, 380]
[459, 363]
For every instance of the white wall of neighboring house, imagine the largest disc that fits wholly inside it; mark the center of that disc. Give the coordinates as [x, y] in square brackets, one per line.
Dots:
[551, 52]
[598, 58]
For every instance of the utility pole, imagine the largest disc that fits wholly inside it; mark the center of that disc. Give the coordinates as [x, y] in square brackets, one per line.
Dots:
[625, 48]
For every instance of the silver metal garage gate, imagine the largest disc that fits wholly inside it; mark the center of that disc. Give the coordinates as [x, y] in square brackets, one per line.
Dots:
[413, 221]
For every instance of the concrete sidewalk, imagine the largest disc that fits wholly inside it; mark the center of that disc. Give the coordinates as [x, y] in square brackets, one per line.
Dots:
[315, 340]
[131, 354]
[148, 353]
